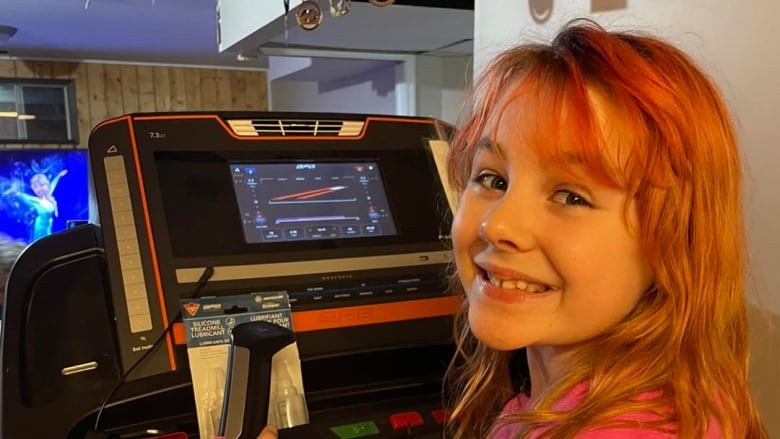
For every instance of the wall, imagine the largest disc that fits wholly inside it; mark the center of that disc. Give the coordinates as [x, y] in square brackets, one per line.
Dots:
[108, 90]
[440, 85]
[735, 41]
[371, 92]
[426, 86]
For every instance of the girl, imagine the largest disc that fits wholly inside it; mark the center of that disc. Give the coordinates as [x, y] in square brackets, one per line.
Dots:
[599, 229]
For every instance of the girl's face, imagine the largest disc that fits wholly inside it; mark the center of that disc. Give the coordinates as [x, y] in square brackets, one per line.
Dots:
[545, 260]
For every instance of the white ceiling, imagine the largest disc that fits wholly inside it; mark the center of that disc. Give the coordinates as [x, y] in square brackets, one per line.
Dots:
[154, 31]
[185, 32]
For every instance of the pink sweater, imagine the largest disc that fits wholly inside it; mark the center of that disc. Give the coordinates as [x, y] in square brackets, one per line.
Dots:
[571, 399]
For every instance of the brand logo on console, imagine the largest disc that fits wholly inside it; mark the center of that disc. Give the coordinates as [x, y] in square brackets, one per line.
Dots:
[191, 308]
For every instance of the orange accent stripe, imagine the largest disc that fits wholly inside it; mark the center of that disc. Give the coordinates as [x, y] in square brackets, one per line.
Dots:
[345, 317]
[178, 333]
[155, 266]
[397, 119]
[110, 121]
[246, 138]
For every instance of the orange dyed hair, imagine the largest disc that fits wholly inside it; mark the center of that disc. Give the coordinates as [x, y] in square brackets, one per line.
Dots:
[679, 162]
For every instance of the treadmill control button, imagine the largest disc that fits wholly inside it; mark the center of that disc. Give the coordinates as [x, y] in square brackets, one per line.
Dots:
[404, 420]
[358, 429]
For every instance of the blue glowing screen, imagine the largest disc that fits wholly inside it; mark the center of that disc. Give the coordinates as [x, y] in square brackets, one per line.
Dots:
[42, 191]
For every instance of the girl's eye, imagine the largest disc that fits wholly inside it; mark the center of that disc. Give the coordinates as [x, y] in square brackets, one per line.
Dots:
[491, 181]
[569, 198]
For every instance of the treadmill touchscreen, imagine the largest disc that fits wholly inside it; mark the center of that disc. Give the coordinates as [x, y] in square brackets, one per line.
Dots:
[311, 201]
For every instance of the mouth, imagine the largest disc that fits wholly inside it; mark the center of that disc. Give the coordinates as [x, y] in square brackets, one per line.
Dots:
[512, 284]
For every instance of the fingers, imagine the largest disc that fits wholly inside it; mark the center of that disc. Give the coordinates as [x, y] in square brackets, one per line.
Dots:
[269, 432]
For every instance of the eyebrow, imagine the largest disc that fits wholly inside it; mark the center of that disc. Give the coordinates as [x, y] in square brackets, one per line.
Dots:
[487, 144]
[572, 158]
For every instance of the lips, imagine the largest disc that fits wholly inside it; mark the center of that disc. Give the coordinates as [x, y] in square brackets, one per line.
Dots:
[494, 272]
[517, 284]
[510, 286]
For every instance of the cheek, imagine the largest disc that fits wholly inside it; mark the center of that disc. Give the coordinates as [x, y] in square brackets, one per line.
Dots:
[462, 224]
[465, 232]
[609, 275]
[458, 234]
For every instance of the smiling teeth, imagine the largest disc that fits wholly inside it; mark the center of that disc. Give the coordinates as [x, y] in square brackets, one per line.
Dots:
[509, 284]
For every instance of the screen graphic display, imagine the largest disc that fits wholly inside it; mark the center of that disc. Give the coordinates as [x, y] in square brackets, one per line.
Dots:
[42, 191]
[311, 201]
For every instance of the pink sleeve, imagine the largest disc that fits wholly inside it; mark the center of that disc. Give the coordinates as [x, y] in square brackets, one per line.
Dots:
[513, 405]
[713, 432]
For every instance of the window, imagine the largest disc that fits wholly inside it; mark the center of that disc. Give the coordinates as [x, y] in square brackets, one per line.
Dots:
[37, 111]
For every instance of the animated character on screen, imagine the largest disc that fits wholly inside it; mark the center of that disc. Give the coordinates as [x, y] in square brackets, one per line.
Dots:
[42, 203]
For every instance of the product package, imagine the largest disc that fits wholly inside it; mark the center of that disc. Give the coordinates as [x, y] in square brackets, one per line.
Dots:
[208, 322]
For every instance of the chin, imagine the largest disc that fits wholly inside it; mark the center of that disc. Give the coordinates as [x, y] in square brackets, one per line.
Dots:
[493, 336]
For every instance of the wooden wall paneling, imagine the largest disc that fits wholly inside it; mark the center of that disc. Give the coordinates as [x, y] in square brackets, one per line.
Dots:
[178, 88]
[256, 92]
[41, 69]
[250, 91]
[7, 69]
[114, 100]
[129, 78]
[23, 69]
[146, 97]
[81, 82]
[208, 89]
[104, 91]
[262, 90]
[263, 96]
[98, 108]
[64, 70]
[238, 98]
[162, 89]
[224, 99]
[192, 89]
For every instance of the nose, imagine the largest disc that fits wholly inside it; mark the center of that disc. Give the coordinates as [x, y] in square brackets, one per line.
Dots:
[509, 226]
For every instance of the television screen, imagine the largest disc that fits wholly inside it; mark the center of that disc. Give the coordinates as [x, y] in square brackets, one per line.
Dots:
[42, 191]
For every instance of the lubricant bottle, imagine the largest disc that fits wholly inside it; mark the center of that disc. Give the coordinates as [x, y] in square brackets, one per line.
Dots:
[290, 404]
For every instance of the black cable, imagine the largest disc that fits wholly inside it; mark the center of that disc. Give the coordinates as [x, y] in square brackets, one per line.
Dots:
[202, 281]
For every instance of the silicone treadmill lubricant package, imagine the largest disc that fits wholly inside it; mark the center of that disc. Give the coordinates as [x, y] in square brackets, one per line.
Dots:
[208, 322]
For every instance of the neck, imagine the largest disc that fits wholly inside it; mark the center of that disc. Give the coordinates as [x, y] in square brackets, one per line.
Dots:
[546, 364]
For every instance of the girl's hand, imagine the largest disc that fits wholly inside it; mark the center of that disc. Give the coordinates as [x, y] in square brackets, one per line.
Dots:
[269, 432]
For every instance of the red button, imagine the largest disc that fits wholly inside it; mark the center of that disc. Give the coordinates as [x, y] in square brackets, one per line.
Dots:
[440, 415]
[404, 420]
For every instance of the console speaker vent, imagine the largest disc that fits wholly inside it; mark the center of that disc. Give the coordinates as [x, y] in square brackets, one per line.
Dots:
[295, 127]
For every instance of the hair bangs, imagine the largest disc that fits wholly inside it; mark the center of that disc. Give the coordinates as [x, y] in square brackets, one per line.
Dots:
[557, 113]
